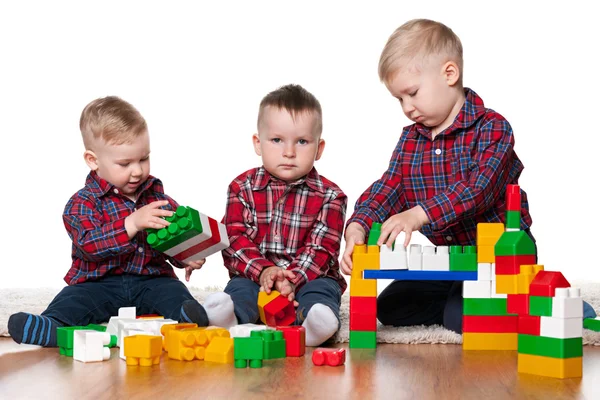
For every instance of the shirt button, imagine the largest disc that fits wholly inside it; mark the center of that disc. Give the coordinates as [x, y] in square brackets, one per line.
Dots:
[140, 249]
[277, 238]
[116, 191]
[449, 238]
[438, 151]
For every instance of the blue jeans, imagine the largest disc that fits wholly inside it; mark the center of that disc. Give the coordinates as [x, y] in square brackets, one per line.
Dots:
[94, 302]
[244, 294]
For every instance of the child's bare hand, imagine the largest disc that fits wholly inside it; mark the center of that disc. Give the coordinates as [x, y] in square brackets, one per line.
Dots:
[355, 235]
[191, 266]
[407, 222]
[285, 287]
[149, 216]
[267, 278]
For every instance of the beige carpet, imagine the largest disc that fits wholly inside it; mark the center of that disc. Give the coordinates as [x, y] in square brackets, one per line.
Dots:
[36, 300]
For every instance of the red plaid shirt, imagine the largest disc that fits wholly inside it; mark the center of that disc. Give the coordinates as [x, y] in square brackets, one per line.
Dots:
[95, 221]
[297, 226]
[459, 177]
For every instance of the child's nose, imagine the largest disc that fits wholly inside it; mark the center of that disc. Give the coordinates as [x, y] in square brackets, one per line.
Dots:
[289, 151]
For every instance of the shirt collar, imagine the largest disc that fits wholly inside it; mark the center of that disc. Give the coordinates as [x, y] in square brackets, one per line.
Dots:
[312, 180]
[99, 187]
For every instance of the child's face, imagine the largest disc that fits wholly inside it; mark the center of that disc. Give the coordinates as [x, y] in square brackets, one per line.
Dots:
[288, 147]
[427, 94]
[126, 165]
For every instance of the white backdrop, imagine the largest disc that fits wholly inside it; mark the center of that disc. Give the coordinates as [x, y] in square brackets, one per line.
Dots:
[197, 71]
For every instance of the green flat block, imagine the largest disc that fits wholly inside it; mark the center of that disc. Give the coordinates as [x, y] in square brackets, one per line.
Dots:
[363, 340]
[515, 243]
[374, 234]
[592, 324]
[463, 259]
[248, 348]
[185, 224]
[274, 343]
[550, 347]
[64, 336]
[540, 306]
[513, 219]
[493, 306]
[96, 327]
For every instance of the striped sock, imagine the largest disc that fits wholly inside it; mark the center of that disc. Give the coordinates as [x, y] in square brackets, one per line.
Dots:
[33, 329]
[192, 311]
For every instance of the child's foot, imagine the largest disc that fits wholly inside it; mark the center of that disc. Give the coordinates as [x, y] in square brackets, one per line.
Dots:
[192, 311]
[219, 308]
[320, 324]
[588, 311]
[33, 329]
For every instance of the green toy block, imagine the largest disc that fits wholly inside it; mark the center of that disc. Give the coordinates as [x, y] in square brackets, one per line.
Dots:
[550, 347]
[374, 234]
[248, 349]
[185, 224]
[363, 340]
[274, 346]
[492, 306]
[463, 260]
[592, 324]
[64, 337]
[540, 306]
[513, 219]
[514, 243]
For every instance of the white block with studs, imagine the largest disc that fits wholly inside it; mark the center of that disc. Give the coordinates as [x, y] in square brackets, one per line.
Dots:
[88, 345]
[484, 272]
[127, 312]
[243, 330]
[436, 258]
[562, 328]
[415, 257]
[477, 289]
[567, 303]
[393, 259]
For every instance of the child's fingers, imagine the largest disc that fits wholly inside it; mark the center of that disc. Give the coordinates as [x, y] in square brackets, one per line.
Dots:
[407, 235]
[393, 234]
[188, 273]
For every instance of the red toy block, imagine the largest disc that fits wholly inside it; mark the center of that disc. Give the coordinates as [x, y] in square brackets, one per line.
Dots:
[295, 340]
[517, 304]
[529, 325]
[363, 305]
[513, 198]
[279, 311]
[331, 357]
[511, 265]
[546, 282]
[490, 324]
[363, 322]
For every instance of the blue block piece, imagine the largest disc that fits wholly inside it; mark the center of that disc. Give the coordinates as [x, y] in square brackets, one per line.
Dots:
[405, 275]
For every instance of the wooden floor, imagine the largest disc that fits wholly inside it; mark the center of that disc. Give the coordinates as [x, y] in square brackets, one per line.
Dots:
[393, 371]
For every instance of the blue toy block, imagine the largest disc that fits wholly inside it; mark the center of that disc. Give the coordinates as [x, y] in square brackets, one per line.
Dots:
[405, 275]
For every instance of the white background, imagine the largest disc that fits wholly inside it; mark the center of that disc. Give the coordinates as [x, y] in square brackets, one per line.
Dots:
[197, 72]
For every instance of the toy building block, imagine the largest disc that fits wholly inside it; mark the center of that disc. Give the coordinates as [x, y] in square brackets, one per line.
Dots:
[216, 331]
[393, 258]
[243, 330]
[489, 341]
[374, 234]
[115, 324]
[485, 271]
[220, 350]
[511, 265]
[364, 258]
[495, 293]
[127, 312]
[436, 258]
[507, 284]
[415, 257]
[490, 323]
[463, 259]
[592, 324]
[274, 343]
[513, 198]
[561, 328]
[64, 337]
[165, 331]
[363, 339]
[143, 350]
[546, 282]
[550, 347]
[550, 367]
[485, 254]
[132, 332]
[518, 304]
[331, 357]
[295, 340]
[363, 287]
[248, 350]
[488, 233]
[526, 276]
[88, 345]
[529, 325]
[187, 344]
[363, 313]
[190, 236]
[513, 219]
[421, 275]
[275, 309]
[477, 289]
[484, 306]
[514, 243]
[150, 316]
[567, 303]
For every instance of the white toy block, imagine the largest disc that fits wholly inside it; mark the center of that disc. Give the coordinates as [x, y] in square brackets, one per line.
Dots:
[493, 271]
[244, 330]
[131, 332]
[436, 258]
[484, 271]
[415, 257]
[562, 328]
[497, 295]
[113, 325]
[200, 246]
[88, 345]
[567, 303]
[477, 289]
[127, 312]
[393, 259]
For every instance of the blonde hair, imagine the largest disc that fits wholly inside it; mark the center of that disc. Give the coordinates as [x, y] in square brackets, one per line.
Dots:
[416, 40]
[111, 119]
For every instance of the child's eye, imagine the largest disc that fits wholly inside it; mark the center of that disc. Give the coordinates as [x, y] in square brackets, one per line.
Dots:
[413, 94]
[123, 164]
[276, 140]
[302, 141]
[145, 158]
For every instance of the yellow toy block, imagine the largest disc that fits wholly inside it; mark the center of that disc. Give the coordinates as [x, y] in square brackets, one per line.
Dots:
[216, 331]
[143, 350]
[524, 279]
[488, 233]
[220, 350]
[485, 254]
[165, 329]
[552, 367]
[507, 284]
[364, 257]
[490, 341]
[187, 344]
[363, 287]
[150, 317]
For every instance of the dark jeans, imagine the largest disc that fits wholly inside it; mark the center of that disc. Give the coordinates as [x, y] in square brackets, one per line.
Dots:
[244, 294]
[95, 302]
[406, 303]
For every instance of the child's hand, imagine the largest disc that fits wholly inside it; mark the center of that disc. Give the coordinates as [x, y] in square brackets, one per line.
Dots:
[267, 278]
[191, 266]
[407, 222]
[355, 235]
[285, 287]
[149, 216]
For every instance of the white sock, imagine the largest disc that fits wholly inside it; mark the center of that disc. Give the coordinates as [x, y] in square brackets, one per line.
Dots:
[320, 324]
[219, 308]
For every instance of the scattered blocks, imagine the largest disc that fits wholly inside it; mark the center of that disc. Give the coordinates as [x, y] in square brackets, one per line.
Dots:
[331, 357]
[275, 309]
[244, 330]
[295, 340]
[143, 350]
[248, 350]
[220, 350]
[88, 345]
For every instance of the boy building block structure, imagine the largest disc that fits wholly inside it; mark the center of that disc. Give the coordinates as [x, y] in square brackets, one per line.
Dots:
[191, 236]
[143, 350]
[275, 309]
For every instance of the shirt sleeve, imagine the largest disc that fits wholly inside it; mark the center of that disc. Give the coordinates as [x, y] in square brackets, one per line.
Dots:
[322, 248]
[483, 185]
[242, 257]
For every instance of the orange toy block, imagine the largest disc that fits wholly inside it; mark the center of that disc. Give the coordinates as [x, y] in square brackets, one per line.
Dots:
[528, 273]
[364, 257]
[490, 341]
[552, 367]
[187, 344]
[220, 350]
[363, 287]
[150, 316]
[216, 331]
[143, 350]
[507, 284]
[275, 309]
[488, 233]
[165, 329]
[485, 254]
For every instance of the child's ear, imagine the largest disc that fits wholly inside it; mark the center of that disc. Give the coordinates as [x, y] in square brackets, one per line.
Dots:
[256, 142]
[91, 160]
[451, 73]
[320, 149]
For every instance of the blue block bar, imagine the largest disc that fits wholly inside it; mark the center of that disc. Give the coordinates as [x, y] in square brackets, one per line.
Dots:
[406, 275]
